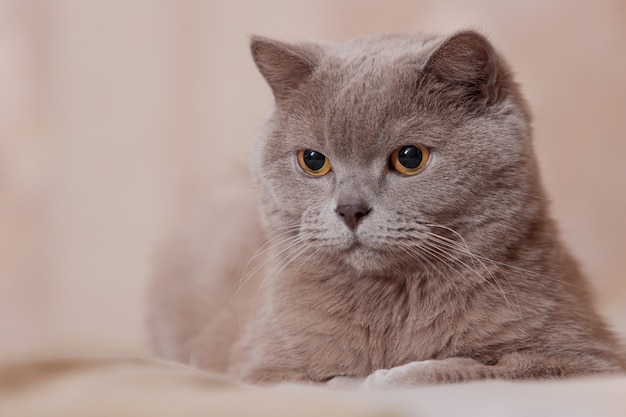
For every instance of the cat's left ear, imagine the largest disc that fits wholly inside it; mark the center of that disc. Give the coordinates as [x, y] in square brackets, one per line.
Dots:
[468, 61]
[284, 66]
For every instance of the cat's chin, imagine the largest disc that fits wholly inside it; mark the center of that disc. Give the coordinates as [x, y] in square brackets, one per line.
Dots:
[365, 260]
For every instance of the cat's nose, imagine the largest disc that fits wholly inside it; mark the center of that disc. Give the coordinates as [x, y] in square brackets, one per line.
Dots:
[352, 214]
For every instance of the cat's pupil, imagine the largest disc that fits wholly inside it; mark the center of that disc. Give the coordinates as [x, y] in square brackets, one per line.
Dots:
[410, 156]
[313, 160]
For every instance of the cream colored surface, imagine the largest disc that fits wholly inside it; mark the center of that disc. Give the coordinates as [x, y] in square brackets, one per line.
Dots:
[114, 115]
[105, 385]
[110, 386]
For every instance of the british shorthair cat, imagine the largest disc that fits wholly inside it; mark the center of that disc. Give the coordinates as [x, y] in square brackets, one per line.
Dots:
[405, 238]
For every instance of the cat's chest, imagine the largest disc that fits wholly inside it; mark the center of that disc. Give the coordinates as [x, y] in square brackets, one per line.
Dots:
[381, 323]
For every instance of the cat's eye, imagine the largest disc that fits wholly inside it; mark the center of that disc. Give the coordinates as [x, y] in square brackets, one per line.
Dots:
[409, 159]
[313, 162]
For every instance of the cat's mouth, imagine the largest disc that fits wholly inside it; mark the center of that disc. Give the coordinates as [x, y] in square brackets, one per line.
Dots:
[361, 251]
[356, 244]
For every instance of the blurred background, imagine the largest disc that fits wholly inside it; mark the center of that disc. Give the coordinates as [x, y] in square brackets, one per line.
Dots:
[115, 114]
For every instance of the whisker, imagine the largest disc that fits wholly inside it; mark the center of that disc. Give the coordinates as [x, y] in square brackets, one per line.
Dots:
[495, 284]
[443, 246]
[308, 258]
[268, 245]
[245, 276]
[271, 245]
[286, 261]
[478, 257]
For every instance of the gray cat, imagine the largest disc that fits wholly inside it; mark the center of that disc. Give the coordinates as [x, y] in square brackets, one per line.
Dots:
[407, 236]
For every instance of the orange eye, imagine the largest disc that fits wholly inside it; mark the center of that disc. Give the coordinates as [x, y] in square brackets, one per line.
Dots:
[313, 163]
[409, 159]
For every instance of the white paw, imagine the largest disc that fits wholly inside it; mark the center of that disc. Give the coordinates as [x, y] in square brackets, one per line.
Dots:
[398, 377]
[345, 382]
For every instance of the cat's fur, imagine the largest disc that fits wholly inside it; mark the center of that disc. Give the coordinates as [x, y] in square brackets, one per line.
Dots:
[454, 274]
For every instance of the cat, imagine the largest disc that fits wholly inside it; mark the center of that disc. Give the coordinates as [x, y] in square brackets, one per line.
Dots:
[406, 233]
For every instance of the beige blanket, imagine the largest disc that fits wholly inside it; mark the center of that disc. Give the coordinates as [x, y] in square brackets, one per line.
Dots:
[105, 385]
[109, 385]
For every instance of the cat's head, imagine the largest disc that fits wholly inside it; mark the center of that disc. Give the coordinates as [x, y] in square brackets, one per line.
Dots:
[390, 151]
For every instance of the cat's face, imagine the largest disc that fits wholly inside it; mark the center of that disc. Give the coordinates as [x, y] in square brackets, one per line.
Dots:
[392, 151]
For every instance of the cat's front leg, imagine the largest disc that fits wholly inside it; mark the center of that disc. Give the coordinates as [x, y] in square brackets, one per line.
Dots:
[412, 374]
[511, 366]
[427, 372]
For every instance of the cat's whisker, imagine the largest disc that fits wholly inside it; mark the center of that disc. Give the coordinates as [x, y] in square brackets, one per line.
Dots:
[444, 249]
[246, 276]
[449, 229]
[267, 247]
[308, 258]
[493, 282]
[452, 263]
[464, 249]
[537, 274]
[270, 245]
[455, 246]
[245, 279]
[413, 254]
[437, 255]
[278, 250]
[446, 245]
[418, 257]
[502, 264]
[280, 266]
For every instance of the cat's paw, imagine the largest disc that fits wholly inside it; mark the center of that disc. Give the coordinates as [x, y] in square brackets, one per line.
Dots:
[429, 372]
[345, 382]
[403, 376]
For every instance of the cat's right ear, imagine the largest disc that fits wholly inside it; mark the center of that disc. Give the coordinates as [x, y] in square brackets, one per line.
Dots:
[284, 66]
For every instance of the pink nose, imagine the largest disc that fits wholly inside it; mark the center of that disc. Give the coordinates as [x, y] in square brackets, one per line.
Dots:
[352, 214]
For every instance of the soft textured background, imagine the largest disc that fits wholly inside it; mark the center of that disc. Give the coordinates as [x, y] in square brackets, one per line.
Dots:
[114, 114]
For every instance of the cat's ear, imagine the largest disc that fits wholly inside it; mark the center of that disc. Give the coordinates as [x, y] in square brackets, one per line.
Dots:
[468, 60]
[283, 65]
